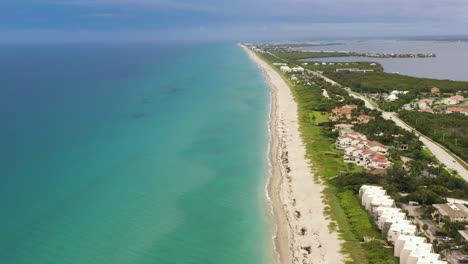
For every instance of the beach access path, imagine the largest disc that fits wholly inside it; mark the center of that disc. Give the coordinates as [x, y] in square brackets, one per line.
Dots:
[302, 234]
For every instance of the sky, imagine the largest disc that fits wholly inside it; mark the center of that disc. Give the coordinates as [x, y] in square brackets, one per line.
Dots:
[184, 20]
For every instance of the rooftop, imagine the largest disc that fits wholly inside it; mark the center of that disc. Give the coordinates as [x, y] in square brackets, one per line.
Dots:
[452, 210]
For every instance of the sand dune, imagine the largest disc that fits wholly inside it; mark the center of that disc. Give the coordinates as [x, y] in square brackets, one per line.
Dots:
[302, 235]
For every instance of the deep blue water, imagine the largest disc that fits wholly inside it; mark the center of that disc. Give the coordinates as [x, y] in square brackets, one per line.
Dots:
[132, 154]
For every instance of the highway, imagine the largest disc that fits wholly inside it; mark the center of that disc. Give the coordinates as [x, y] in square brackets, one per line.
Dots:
[439, 152]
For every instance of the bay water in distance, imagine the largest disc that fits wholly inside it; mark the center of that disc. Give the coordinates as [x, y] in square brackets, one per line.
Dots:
[132, 154]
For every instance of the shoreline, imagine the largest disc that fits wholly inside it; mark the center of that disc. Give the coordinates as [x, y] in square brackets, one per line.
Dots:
[302, 234]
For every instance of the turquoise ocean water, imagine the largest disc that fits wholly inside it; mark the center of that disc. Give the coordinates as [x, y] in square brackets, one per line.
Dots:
[132, 154]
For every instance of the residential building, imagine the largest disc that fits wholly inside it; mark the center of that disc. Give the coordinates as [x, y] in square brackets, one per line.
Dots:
[353, 70]
[412, 250]
[391, 97]
[435, 91]
[398, 229]
[453, 212]
[365, 189]
[408, 107]
[389, 215]
[425, 103]
[453, 100]
[401, 241]
[421, 254]
[376, 146]
[427, 110]
[423, 260]
[344, 126]
[364, 119]
[460, 110]
[297, 69]
[343, 112]
[285, 69]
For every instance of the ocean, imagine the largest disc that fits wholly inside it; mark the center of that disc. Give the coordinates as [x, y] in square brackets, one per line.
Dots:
[449, 63]
[133, 154]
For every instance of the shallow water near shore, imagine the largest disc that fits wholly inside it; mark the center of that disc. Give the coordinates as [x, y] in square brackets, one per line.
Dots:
[133, 154]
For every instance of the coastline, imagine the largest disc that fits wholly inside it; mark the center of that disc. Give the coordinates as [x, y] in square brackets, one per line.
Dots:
[302, 234]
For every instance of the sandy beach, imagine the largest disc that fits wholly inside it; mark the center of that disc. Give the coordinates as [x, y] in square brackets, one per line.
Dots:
[302, 230]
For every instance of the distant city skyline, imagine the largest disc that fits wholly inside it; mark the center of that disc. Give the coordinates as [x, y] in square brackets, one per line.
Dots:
[168, 20]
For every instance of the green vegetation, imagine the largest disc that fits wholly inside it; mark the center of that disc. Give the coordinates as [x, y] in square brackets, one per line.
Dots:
[340, 65]
[414, 171]
[299, 55]
[317, 117]
[449, 130]
[381, 82]
[343, 206]
[386, 82]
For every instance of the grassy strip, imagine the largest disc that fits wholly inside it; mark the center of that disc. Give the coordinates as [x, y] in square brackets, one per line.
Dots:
[343, 207]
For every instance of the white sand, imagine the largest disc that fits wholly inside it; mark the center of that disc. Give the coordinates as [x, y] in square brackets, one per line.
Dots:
[292, 187]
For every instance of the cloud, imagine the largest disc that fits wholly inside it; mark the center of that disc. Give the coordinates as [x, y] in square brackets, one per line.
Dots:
[244, 32]
[157, 20]
[377, 10]
[138, 4]
[107, 15]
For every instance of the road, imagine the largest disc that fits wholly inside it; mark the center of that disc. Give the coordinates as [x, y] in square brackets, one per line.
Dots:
[440, 153]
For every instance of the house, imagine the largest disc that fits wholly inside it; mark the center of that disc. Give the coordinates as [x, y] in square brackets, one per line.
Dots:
[403, 239]
[389, 215]
[297, 69]
[362, 152]
[343, 126]
[346, 139]
[404, 147]
[377, 147]
[425, 103]
[353, 70]
[397, 92]
[453, 212]
[427, 110]
[398, 229]
[392, 97]
[408, 107]
[364, 119]
[435, 91]
[366, 189]
[293, 78]
[280, 64]
[411, 249]
[377, 163]
[285, 69]
[422, 256]
[460, 110]
[453, 100]
[343, 112]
